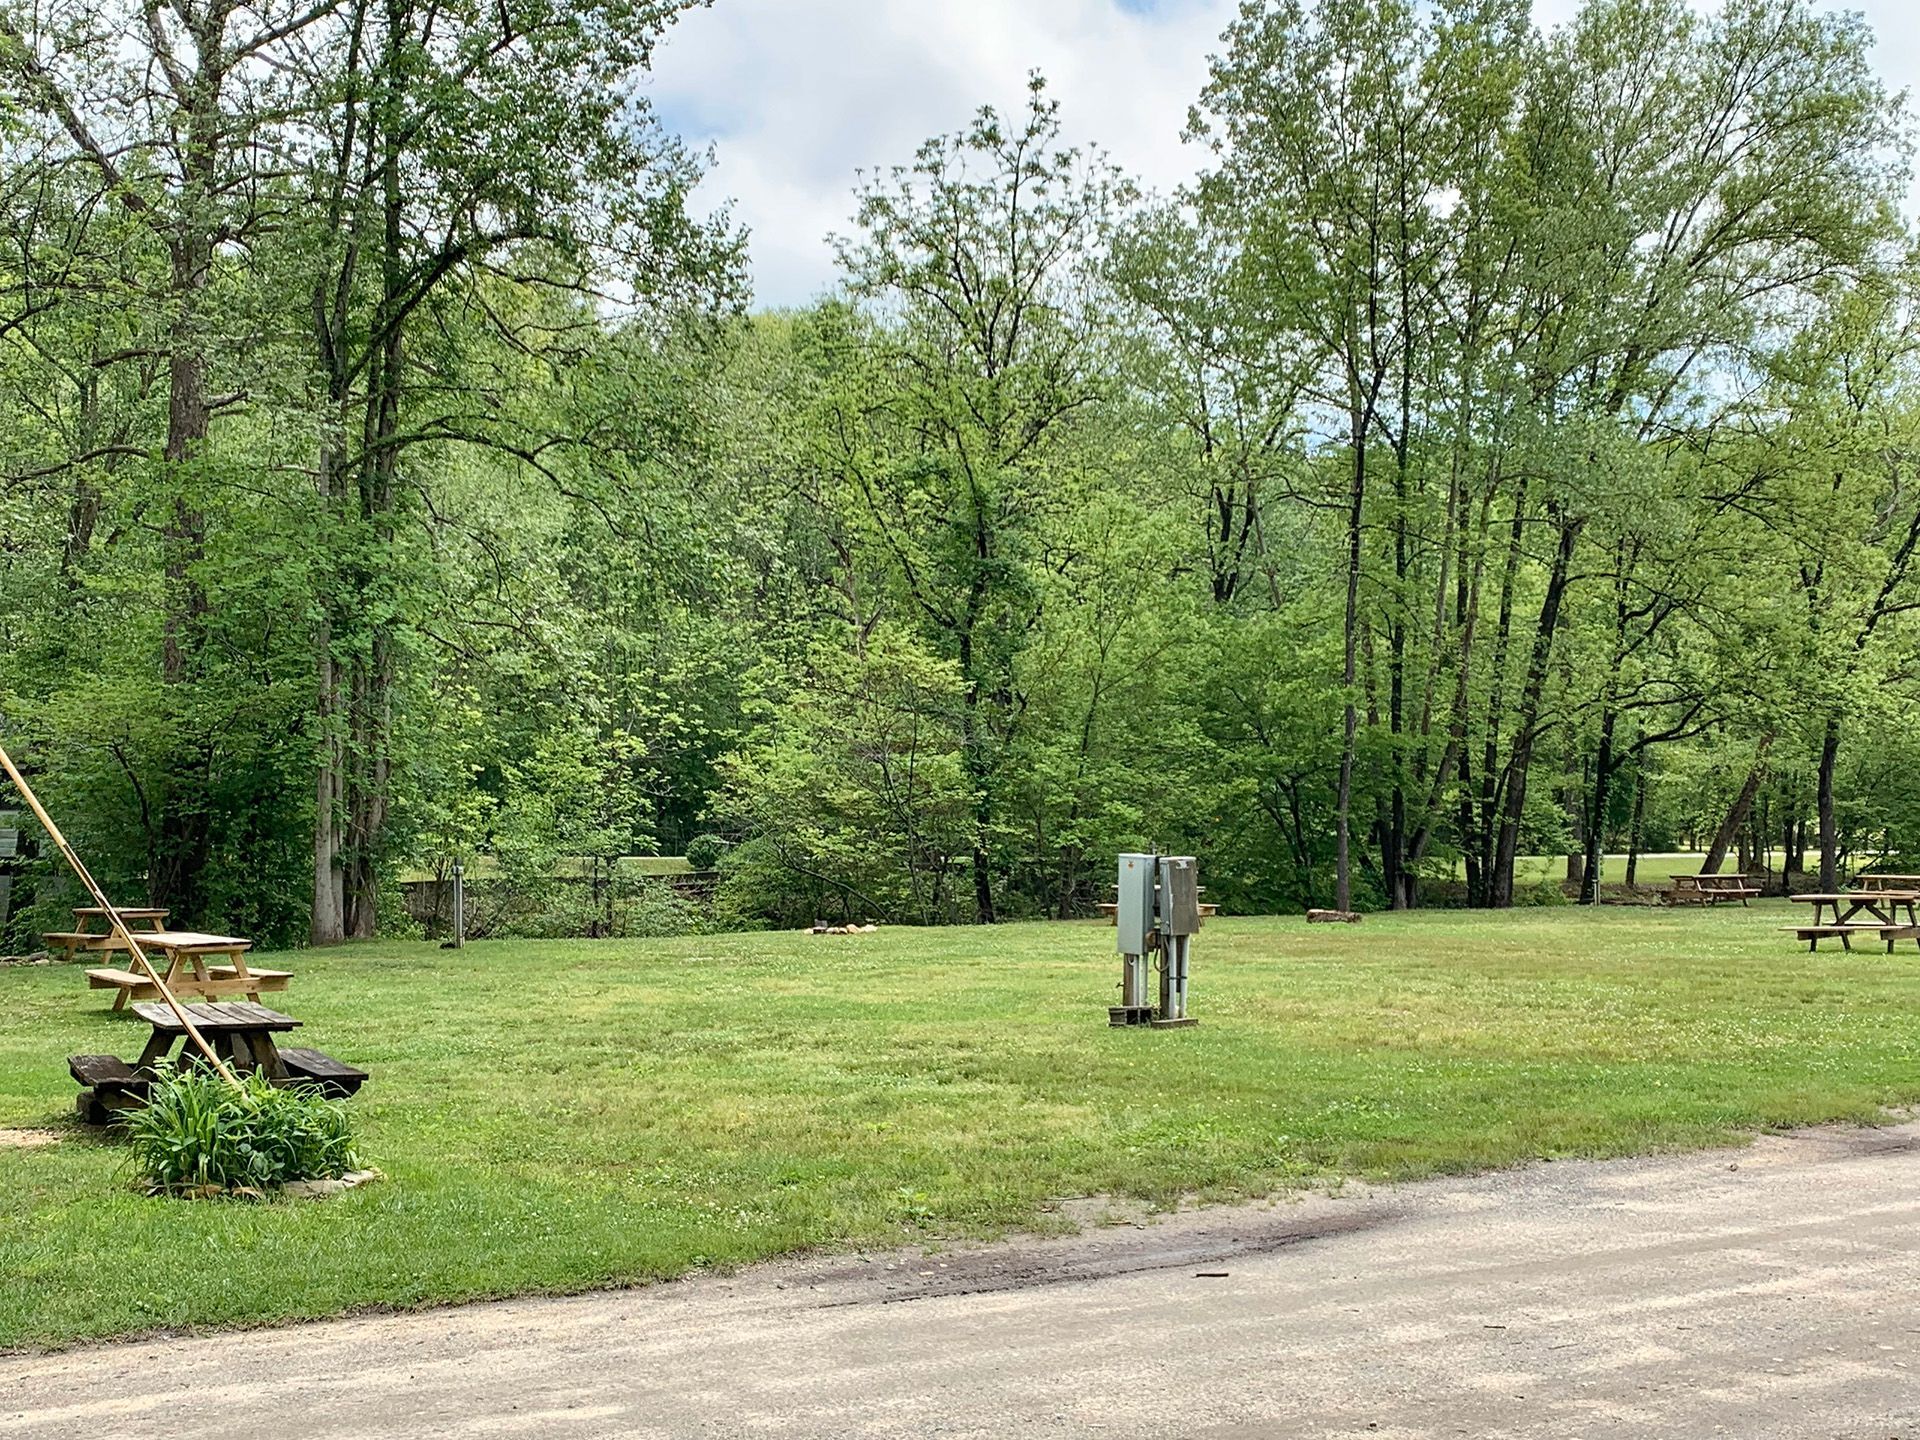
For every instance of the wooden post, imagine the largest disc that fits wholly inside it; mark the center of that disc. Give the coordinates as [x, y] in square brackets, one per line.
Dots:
[118, 925]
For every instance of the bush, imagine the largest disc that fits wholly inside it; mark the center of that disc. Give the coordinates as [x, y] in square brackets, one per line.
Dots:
[200, 1135]
[704, 852]
[650, 909]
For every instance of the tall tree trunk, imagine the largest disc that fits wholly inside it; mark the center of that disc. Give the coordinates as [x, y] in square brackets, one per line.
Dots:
[1486, 830]
[1343, 800]
[1730, 827]
[1526, 725]
[1829, 829]
[1637, 829]
[1603, 766]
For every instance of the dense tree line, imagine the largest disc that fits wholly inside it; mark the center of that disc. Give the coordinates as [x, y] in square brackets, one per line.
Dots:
[1503, 447]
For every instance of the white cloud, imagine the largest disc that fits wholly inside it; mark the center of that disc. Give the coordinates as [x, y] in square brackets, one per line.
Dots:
[795, 96]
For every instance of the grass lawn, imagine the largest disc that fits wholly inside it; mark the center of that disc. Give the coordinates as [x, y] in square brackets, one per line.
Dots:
[556, 1116]
[1651, 870]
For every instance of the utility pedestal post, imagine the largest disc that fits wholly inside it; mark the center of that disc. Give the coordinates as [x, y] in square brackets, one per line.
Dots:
[1156, 912]
[1133, 918]
[1179, 919]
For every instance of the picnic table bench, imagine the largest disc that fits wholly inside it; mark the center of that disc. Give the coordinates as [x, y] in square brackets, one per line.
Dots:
[1708, 890]
[84, 935]
[188, 971]
[240, 1033]
[1883, 904]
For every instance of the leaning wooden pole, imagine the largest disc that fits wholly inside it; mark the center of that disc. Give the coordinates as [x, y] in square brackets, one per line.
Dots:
[126, 936]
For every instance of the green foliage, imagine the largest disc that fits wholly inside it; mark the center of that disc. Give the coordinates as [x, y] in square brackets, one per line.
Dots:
[199, 1135]
[1503, 445]
[704, 851]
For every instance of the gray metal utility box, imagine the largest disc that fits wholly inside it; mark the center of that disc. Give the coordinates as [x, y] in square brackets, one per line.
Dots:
[1133, 910]
[1179, 895]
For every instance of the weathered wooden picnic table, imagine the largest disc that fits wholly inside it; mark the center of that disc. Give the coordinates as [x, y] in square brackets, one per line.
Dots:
[1871, 881]
[240, 1033]
[1883, 905]
[85, 935]
[188, 971]
[1708, 889]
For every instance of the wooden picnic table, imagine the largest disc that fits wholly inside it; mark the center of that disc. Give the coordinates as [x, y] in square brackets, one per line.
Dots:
[85, 935]
[188, 971]
[240, 1033]
[1845, 904]
[1872, 881]
[1705, 889]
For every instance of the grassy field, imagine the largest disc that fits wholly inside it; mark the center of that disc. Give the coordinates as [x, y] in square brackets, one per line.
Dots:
[1651, 869]
[557, 1116]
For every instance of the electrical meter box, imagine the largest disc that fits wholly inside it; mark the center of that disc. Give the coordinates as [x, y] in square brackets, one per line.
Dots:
[1179, 895]
[1134, 913]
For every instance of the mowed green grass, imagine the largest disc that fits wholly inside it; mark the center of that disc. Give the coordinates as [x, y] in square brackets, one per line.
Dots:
[556, 1116]
[1650, 870]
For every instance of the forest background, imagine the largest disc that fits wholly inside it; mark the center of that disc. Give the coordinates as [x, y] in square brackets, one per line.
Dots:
[1505, 446]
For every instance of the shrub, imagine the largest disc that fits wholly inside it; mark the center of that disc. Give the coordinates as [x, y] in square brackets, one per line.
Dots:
[650, 909]
[200, 1135]
[704, 852]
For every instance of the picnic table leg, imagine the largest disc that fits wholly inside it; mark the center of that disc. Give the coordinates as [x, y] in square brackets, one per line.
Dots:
[271, 1065]
[158, 1044]
[239, 959]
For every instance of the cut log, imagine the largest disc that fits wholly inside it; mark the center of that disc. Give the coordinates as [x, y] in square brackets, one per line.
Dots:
[1333, 917]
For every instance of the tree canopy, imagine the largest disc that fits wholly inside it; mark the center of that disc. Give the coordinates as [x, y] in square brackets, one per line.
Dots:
[1504, 446]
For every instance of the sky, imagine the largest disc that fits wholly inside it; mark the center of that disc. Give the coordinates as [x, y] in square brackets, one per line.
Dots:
[795, 97]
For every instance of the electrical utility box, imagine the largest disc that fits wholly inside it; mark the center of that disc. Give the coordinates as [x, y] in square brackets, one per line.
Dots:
[1156, 913]
[1133, 904]
[1179, 895]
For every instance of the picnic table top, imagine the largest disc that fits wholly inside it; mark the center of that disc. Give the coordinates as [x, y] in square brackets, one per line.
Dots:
[191, 940]
[1736, 877]
[126, 912]
[1827, 897]
[1901, 880]
[211, 1015]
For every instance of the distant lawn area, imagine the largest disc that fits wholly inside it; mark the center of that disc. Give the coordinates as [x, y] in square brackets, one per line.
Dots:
[1650, 869]
[558, 1116]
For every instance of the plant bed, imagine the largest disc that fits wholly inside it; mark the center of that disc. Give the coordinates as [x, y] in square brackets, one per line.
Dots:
[199, 1137]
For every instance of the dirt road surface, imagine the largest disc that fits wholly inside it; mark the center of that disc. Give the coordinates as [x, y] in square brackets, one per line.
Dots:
[1761, 1292]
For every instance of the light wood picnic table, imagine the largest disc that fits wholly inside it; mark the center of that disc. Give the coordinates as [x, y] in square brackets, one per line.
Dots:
[91, 930]
[188, 971]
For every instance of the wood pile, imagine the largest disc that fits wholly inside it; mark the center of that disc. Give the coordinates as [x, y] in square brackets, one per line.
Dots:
[1333, 917]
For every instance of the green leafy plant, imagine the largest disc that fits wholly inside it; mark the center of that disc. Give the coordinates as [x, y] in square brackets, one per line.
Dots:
[704, 851]
[198, 1135]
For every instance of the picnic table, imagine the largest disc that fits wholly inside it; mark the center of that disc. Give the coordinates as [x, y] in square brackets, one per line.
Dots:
[1708, 889]
[1882, 903]
[1887, 882]
[1111, 909]
[188, 971]
[241, 1034]
[85, 935]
